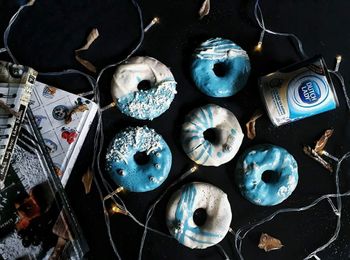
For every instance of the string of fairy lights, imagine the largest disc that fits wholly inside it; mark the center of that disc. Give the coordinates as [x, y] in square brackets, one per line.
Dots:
[118, 205]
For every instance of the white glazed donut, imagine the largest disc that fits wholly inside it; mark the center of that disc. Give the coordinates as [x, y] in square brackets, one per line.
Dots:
[227, 132]
[145, 103]
[181, 209]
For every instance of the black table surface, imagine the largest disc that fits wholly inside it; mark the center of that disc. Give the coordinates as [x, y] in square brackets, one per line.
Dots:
[46, 35]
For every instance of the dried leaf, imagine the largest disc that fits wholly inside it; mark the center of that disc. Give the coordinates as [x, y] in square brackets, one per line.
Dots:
[87, 180]
[79, 108]
[8, 109]
[269, 243]
[250, 125]
[61, 227]
[321, 143]
[58, 250]
[314, 155]
[51, 90]
[90, 39]
[204, 9]
[87, 64]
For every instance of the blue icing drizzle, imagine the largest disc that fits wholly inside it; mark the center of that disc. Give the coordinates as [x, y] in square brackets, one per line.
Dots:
[234, 59]
[124, 170]
[203, 121]
[184, 212]
[254, 162]
[148, 104]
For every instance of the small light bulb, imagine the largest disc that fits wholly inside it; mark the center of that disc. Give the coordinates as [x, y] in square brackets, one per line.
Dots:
[154, 21]
[258, 47]
[118, 190]
[117, 210]
[194, 168]
[338, 59]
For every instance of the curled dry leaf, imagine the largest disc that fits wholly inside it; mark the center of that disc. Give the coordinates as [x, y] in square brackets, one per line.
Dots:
[321, 143]
[205, 8]
[79, 108]
[8, 109]
[87, 180]
[250, 125]
[314, 155]
[61, 227]
[269, 243]
[52, 90]
[90, 39]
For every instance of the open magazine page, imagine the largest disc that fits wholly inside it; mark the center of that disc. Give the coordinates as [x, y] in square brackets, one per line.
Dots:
[36, 220]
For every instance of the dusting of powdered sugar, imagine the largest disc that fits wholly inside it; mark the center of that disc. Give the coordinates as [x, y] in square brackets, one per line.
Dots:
[11, 247]
[140, 139]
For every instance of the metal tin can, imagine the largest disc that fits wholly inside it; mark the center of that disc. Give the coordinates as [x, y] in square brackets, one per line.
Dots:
[298, 91]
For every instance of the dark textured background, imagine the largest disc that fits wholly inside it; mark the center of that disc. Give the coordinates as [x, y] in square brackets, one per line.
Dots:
[46, 35]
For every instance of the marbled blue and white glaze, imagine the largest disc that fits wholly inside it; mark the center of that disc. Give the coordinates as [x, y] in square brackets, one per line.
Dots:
[126, 172]
[184, 203]
[233, 58]
[254, 162]
[143, 104]
[228, 131]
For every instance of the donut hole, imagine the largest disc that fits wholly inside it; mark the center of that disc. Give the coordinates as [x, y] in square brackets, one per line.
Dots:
[200, 216]
[211, 135]
[220, 69]
[144, 85]
[270, 176]
[141, 158]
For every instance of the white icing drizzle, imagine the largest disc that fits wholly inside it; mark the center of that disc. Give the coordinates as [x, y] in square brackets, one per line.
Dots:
[215, 49]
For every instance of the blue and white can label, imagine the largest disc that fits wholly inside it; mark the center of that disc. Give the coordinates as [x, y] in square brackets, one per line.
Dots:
[297, 92]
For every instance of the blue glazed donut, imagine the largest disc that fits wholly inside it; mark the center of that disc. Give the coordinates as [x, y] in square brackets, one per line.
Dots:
[225, 143]
[220, 68]
[124, 169]
[145, 103]
[182, 207]
[281, 166]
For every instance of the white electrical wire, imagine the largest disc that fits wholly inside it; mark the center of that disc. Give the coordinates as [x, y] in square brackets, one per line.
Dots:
[242, 232]
[153, 206]
[260, 20]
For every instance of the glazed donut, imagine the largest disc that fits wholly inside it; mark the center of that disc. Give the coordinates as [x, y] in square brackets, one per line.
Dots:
[154, 99]
[220, 68]
[211, 135]
[182, 207]
[134, 174]
[273, 160]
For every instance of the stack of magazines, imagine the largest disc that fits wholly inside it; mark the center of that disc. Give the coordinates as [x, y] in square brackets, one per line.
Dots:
[36, 220]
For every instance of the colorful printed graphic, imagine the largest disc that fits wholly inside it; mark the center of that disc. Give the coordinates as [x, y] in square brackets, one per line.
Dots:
[69, 134]
[49, 92]
[60, 112]
[51, 145]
